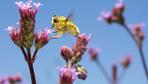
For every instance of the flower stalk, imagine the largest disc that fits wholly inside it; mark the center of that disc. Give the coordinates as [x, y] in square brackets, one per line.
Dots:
[139, 45]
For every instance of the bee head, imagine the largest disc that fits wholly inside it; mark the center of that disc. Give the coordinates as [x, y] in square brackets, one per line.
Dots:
[55, 19]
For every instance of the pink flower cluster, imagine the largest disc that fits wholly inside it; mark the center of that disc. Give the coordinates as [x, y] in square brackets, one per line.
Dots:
[11, 79]
[116, 15]
[72, 56]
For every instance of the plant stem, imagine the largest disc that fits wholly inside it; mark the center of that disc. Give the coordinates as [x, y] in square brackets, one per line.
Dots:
[122, 76]
[101, 67]
[34, 55]
[140, 49]
[24, 53]
[32, 73]
[30, 65]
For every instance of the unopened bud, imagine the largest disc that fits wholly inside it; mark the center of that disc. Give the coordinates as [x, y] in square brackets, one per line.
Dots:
[15, 35]
[114, 72]
[41, 39]
[66, 53]
[93, 53]
[125, 62]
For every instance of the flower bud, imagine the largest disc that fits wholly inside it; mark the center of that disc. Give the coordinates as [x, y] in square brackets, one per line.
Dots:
[137, 31]
[15, 35]
[41, 38]
[93, 53]
[114, 72]
[125, 62]
[66, 53]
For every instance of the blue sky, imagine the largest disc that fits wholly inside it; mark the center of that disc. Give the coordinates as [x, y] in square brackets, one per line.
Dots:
[113, 40]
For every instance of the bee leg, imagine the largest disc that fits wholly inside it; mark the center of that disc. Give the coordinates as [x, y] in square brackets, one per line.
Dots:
[54, 37]
[58, 36]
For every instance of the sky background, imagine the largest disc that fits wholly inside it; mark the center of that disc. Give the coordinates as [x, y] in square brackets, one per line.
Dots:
[113, 40]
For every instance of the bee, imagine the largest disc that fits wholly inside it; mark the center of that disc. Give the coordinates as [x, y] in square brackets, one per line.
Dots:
[63, 25]
[82, 72]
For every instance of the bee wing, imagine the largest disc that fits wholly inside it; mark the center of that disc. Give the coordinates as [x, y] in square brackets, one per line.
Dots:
[70, 16]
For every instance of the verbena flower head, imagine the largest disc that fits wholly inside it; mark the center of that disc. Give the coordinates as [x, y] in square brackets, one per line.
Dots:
[41, 38]
[137, 31]
[67, 75]
[126, 61]
[115, 16]
[80, 47]
[27, 12]
[15, 35]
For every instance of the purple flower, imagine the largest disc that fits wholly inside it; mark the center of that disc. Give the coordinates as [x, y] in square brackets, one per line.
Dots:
[15, 35]
[41, 38]
[67, 75]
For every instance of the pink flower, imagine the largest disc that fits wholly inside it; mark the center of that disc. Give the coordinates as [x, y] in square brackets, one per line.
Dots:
[118, 8]
[106, 16]
[115, 16]
[27, 12]
[93, 52]
[15, 78]
[15, 35]
[41, 38]
[67, 75]
[137, 31]
[79, 47]
[126, 61]
[26, 9]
